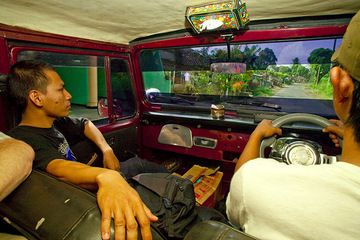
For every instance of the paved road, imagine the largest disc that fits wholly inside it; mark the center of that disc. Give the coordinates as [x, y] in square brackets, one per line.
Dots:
[296, 90]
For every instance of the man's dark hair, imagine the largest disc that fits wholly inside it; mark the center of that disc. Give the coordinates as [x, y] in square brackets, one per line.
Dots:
[354, 119]
[25, 76]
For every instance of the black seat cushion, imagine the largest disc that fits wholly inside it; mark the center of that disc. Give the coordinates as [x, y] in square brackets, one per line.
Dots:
[44, 207]
[214, 230]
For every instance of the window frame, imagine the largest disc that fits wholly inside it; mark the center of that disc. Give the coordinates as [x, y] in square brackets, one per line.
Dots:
[16, 48]
[266, 33]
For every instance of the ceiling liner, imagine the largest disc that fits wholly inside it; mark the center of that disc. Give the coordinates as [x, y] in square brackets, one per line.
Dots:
[121, 21]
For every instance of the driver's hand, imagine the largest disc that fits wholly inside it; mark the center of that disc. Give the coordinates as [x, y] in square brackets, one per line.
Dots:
[335, 131]
[265, 129]
[121, 202]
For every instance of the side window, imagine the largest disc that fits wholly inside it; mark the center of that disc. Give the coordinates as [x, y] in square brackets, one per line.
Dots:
[84, 78]
[122, 89]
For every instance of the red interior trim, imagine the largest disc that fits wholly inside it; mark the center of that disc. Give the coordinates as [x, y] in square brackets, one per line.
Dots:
[23, 34]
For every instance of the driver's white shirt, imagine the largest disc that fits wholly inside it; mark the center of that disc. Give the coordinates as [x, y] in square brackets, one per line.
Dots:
[272, 200]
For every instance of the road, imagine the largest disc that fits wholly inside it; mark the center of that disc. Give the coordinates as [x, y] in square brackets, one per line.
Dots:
[296, 90]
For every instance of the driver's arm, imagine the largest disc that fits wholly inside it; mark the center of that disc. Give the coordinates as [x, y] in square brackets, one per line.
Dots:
[251, 151]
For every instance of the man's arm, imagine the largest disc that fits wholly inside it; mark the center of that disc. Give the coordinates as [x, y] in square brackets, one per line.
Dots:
[251, 151]
[115, 197]
[110, 161]
[15, 164]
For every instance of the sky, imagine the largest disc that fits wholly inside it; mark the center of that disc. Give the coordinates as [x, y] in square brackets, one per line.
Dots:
[286, 51]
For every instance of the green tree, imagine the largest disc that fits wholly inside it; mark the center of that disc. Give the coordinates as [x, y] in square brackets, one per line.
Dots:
[250, 56]
[320, 59]
[219, 54]
[296, 61]
[265, 58]
[299, 73]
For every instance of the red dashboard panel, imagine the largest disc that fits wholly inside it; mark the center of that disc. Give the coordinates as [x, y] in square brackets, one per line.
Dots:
[228, 144]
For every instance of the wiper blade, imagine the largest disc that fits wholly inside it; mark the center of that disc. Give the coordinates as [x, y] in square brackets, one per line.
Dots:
[250, 102]
[159, 98]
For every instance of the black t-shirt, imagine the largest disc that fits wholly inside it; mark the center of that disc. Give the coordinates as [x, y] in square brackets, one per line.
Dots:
[52, 143]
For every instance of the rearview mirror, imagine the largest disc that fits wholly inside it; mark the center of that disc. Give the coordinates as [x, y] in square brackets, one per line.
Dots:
[103, 108]
[228, 67]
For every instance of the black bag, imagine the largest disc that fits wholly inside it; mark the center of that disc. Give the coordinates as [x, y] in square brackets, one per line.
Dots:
[171, 199]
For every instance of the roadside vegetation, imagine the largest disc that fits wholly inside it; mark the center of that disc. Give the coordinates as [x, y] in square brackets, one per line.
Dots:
[263, 76]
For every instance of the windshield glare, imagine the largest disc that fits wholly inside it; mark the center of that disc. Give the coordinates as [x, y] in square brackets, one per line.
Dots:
[291, 74]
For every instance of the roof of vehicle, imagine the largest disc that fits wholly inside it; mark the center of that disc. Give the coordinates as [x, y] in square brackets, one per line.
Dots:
[120, 21]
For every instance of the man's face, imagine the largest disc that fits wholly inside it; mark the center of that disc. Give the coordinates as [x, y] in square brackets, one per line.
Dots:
[56, 101]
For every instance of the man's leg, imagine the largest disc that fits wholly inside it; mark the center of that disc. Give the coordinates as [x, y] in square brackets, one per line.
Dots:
[136, 165]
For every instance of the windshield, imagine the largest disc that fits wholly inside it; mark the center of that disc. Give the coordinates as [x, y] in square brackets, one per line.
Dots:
[287, 76]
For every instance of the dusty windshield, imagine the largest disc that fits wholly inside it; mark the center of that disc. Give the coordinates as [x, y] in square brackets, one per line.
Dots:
[288, 76]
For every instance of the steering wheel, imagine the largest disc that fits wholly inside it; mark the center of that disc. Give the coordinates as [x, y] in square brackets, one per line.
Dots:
[290, 118]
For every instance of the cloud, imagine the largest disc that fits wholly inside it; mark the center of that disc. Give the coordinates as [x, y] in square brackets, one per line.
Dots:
[291, 51]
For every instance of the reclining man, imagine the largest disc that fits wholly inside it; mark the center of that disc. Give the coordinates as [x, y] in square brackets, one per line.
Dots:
[272, 200]
[39, 91]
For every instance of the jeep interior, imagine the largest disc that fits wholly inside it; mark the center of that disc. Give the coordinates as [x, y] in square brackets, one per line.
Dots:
[172, 91]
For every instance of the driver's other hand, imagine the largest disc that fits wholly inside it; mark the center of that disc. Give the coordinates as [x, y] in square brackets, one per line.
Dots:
[335, 131]
[265, 129]
[118, 200]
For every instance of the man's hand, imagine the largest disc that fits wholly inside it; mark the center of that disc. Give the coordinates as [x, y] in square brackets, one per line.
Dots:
[335, 131]
[265, 129]
[251, 151]
[121, 202]
[110, 161]
[116, 198]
